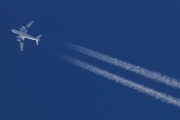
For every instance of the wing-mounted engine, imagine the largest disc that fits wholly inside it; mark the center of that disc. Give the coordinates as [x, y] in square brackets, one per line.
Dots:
[19, 40]
[18, 37]
[23, 27]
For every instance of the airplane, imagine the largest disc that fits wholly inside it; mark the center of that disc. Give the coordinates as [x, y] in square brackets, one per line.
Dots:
[22, 34]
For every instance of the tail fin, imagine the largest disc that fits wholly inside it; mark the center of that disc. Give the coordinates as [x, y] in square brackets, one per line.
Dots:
[38, 39]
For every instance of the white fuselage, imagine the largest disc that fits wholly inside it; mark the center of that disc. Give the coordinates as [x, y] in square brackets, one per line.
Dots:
[23, 35]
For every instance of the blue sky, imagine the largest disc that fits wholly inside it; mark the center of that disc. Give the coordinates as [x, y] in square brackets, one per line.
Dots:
[35, 84]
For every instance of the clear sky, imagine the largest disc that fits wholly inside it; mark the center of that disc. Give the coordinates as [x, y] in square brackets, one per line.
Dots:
[36, 85]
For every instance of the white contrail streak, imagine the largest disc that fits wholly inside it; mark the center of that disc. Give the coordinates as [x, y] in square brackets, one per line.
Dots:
[127, 66]
[158, 95]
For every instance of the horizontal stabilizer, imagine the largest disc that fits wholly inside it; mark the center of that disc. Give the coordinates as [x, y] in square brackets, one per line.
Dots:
[38, 39]
[37, 42]
[38, 36]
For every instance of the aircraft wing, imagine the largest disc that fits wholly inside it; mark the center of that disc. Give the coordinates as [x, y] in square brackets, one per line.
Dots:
[24, 29]
[21, 44]
[29, 24]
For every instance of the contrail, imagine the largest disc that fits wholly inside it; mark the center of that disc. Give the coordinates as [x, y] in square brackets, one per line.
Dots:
[127, 66]
[157, 95]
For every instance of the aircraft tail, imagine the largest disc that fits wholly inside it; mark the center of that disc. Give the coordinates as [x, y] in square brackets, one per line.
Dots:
[38, 36]
[38, 39]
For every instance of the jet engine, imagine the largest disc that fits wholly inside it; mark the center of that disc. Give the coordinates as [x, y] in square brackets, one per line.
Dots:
[18, 37]
[23, 27]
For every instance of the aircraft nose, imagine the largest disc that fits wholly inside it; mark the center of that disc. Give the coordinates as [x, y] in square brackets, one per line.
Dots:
[12, 30]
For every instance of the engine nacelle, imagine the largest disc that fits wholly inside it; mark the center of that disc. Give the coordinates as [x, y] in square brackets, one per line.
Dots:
[18, 37]
[23, 27]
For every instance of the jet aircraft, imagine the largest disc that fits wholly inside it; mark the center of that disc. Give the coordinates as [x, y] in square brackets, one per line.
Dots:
[22, 34]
